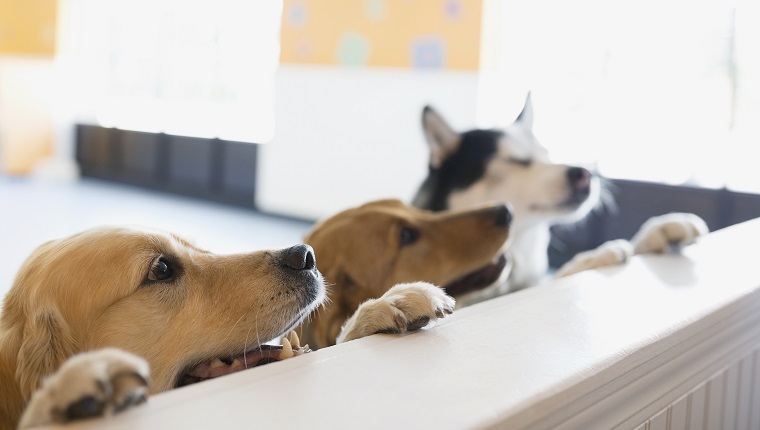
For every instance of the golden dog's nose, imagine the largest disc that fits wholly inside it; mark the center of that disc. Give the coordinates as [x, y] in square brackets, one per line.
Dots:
[300, 257]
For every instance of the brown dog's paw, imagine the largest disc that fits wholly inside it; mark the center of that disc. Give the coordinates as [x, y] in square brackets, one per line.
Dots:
[91, 384]
[403, 308]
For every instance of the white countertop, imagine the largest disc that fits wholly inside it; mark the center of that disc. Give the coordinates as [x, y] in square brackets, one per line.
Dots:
[559, 355]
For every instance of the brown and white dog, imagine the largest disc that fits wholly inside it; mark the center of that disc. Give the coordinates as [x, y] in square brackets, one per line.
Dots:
[107, 316]
[479, 166]
[365, 251]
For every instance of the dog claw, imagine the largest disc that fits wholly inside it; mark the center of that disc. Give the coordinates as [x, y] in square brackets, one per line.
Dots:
[400, 323]
[418, 324]
[133, 399]
[442, 312]
[86, 407]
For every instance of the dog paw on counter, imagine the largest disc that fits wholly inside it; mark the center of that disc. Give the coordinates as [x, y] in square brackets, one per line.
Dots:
[668, 233]
[91, 384]
[403, 308]
[658, 235]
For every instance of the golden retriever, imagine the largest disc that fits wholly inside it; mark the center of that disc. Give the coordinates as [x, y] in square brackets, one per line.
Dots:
[181, 311]
[109, 315]
[365, 251]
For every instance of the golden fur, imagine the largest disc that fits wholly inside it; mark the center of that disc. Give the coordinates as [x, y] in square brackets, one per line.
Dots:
[96, 289]
[361, 254]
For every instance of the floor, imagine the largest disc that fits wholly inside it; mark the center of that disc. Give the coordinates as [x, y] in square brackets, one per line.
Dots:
[32, 213]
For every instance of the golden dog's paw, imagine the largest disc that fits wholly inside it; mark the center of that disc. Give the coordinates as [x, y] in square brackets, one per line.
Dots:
[403, 308]
[607, 254]
[668, 233]
[92, 384]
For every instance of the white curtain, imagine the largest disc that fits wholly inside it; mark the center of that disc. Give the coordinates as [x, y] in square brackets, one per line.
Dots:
[202, 68]
[657, 90]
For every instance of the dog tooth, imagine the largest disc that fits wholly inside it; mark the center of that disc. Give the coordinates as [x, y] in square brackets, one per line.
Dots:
[216, 363]
[236, 362]
[295, 342]
[287, 350]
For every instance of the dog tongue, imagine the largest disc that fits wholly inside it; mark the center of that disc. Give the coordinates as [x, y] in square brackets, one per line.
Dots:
[289, 347]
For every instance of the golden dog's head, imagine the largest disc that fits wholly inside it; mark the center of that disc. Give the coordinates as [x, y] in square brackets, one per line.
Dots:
[187, 311]
[366, 250]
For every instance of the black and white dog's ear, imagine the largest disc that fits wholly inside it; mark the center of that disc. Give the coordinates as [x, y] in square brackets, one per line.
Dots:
[526, 116]
[441, 138]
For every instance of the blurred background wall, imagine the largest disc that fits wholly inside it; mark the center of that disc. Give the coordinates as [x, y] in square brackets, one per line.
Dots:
[27, 50]
[353, 79]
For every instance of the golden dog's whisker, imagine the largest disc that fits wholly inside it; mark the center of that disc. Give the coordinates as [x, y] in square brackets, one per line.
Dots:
[256, 326]
[245, 346]
[229, 332]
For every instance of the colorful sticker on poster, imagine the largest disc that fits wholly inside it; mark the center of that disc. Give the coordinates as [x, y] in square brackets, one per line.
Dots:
[427, 34]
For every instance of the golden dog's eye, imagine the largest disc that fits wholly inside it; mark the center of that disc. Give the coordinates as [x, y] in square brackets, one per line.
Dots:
[161, 270]
[408, 235]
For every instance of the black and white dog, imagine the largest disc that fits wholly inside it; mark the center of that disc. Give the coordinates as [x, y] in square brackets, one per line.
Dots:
[510, 165]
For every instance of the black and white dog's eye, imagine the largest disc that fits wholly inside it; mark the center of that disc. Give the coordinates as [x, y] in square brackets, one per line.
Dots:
[161, 270]
[524, 162]
[408, 235]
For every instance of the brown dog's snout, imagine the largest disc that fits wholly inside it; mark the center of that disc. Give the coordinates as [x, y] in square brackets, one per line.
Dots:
[299, 257]
[503, 216]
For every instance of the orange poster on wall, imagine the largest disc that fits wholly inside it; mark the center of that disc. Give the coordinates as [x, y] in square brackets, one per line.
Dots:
[27, 27]
[420, 34]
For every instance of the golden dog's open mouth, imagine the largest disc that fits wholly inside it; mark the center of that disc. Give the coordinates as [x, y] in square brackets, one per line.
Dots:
[289, 347]
[479, 279]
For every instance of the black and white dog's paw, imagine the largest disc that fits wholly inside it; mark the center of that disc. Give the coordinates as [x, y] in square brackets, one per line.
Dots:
[405, 307]
[668, 233]
[610, 253]
[91, 384]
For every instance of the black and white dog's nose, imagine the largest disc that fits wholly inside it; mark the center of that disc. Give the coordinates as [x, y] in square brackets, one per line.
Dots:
[578, 177]
[300, 257]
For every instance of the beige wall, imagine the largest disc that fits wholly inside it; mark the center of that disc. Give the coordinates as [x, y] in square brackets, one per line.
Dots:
[27, 46]
[26, 125]
[27, 27]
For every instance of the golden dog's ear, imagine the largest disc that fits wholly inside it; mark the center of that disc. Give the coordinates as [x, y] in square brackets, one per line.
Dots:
[46, 344]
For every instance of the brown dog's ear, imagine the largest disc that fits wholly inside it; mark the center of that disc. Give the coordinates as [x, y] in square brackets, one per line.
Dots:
[46, 344]
[441, 138]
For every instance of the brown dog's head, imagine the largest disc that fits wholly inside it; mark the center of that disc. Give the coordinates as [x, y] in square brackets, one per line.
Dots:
[185, 310]
[366, 250]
